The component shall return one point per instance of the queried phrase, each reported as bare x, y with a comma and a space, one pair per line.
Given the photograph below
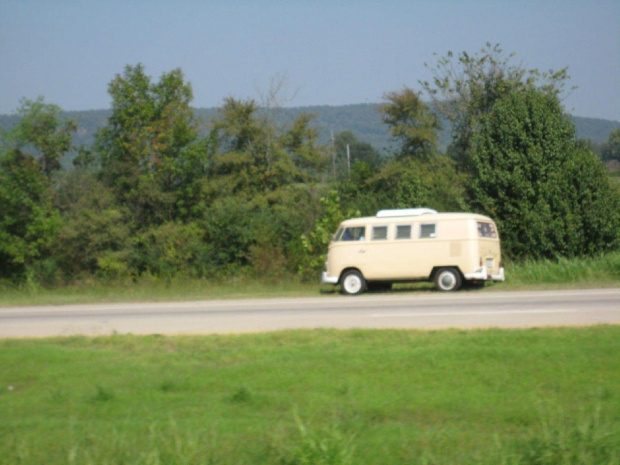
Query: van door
347, 250
377, 253
391, 252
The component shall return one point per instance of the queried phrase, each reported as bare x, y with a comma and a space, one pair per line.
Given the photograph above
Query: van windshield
352, 234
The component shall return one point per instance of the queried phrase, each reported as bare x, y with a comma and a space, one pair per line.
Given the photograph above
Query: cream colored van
416, 244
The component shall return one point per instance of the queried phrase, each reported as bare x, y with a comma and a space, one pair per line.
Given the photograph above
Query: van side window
427, 230
403, 231
353, 234
379, 233
486, 230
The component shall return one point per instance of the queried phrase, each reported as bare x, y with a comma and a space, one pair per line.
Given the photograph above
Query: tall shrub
28, 220
550, 195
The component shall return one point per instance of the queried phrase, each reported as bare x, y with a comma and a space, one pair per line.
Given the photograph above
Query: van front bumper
481, 274
327, 279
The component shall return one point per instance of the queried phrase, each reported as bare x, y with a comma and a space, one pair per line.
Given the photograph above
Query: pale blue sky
330, 52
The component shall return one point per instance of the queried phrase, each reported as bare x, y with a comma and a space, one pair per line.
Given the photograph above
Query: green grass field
537, 396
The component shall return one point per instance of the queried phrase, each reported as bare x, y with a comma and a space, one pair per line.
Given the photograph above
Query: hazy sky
329, 52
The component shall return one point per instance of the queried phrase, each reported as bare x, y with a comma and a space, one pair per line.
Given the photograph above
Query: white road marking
508, 312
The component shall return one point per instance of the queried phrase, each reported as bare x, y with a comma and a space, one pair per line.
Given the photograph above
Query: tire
353, 283
448, 280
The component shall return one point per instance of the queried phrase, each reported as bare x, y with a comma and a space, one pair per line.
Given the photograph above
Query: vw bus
415, 244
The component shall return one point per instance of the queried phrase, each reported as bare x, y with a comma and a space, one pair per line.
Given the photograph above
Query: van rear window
486, 230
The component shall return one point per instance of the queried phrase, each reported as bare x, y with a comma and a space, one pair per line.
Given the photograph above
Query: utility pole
348, 161
333, 153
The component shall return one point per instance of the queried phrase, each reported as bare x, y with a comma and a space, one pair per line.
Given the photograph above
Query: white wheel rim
352, 284
447, 280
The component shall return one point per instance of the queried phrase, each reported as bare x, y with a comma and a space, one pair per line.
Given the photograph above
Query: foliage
300, 141
611, 149
314, 244
550, 195
465, 88
433, 183
230, 230
259, 189
596, 202
249, 155
40, 128
599, 270
169, 250
351, 155
28, 220
412, 124
147, 148
93, 225
363, 120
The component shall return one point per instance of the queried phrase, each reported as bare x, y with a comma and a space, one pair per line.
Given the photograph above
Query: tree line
159, 196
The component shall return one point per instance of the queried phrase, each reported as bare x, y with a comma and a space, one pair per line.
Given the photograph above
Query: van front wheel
353, 283
448, 279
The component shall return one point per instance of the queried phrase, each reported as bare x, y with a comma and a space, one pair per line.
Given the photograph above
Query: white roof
427, 217
404, 212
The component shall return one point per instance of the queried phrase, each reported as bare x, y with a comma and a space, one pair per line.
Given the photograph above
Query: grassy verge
154, 290
603, 271
598, 271
314, 397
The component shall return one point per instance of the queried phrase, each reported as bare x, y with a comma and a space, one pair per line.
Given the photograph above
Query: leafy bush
28, 220
550, 195
172, 249
114, 265
313, 246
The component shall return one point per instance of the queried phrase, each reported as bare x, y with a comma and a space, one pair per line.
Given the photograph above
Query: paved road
407, 310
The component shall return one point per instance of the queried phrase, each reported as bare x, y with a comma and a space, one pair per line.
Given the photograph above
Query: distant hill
363, 120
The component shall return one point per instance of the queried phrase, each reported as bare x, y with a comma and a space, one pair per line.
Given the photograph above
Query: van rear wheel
448, 280
353, 283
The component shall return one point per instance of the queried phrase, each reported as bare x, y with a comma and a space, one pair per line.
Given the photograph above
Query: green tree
42, 128
300, 141
28, 220
549, 193
313, 245
248, 154
419, 176
93, 225
238, 158
465, 88
148, 151
406, 184
355, 158
596, 202
171, 250
611, 148
412, 124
